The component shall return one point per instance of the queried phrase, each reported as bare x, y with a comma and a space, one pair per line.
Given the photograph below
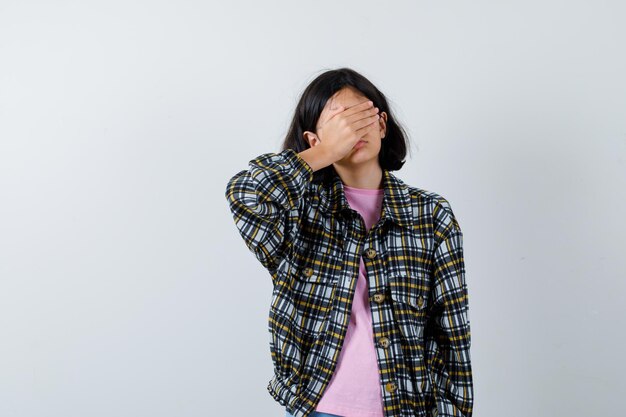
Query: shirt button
308, 271
420, 301
383, 342
370, 253
390, 386
379, 297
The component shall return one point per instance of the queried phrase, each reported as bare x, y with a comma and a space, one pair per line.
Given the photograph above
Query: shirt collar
396, 204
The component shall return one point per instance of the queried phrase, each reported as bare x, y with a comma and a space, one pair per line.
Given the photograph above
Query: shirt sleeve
447, 333
264, 199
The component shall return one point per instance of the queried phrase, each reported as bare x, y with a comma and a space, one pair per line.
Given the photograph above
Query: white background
125, 289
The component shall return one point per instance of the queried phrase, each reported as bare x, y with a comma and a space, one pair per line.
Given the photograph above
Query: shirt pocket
410, 301
307, 288
313, 284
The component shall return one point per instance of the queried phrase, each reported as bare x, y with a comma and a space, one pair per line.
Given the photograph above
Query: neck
368, 176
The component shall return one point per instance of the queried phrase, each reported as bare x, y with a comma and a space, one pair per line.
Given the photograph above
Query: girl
369, 311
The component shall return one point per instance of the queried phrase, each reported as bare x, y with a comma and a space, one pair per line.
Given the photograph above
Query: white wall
122, 277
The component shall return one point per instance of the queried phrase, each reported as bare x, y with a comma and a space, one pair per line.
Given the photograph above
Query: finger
358, 108
364, 125
362, 105
334, 112
363, 115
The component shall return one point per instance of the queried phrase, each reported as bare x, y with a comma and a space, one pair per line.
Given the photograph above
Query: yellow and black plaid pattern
310, 240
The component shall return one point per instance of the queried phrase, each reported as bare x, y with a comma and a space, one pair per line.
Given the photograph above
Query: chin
361, 157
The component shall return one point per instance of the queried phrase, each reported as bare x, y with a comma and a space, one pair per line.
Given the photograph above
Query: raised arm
264, 200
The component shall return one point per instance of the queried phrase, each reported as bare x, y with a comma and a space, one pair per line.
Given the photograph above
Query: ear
311, 138
383, 124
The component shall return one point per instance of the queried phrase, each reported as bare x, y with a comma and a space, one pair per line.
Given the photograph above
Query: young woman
369, 311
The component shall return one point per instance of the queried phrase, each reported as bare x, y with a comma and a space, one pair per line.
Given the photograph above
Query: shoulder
427, 199
437, 208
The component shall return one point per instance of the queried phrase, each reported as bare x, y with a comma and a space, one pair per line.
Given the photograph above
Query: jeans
313, 414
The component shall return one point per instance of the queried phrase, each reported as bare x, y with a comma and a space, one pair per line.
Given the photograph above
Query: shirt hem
349, 412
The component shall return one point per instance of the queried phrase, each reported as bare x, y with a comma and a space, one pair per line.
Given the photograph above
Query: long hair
312, 101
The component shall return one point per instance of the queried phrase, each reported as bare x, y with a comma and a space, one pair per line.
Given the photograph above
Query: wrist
317, 157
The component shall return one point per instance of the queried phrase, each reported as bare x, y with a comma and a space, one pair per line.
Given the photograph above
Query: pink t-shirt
355, 389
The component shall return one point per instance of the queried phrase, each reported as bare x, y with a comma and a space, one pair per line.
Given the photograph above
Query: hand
340, 129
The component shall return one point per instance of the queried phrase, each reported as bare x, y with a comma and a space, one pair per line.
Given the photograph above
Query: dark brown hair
312, 101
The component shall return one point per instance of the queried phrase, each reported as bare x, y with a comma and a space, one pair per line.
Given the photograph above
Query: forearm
317, 157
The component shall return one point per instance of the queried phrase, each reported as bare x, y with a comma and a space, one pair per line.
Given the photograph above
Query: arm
447, 334
262, 199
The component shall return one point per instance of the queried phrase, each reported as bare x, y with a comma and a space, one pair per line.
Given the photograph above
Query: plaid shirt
310, 241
